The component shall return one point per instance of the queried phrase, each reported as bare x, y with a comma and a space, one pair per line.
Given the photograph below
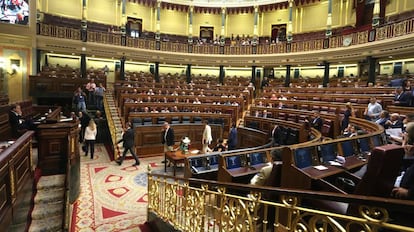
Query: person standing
349, 112
128, 144
207, 138
99, 94
232, 140
79, 100
90, 137
168, 137
90, 87
373, 110
84, 122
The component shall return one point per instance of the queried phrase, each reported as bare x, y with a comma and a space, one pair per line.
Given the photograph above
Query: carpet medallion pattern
113, 197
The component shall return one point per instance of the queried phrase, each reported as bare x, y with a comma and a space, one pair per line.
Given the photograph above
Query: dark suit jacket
15, 125
169, 138
403, 99
232, 140
407, 181
277, 136
128, 138
317, 123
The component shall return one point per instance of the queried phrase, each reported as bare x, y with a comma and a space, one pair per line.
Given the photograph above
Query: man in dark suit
317, 121
168, 137
402, 98
16, 121
232, 140
128, 139
276, 134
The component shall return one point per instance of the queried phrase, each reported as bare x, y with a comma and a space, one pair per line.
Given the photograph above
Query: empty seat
175, 120
197, 119
161, 120
136, 122
281, 116
292, 117
185, 119
292, 136
254, 125
147, 121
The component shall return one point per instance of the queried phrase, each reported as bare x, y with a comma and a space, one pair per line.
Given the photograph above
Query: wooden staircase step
53, 181
41, 211
53, 195
47, 224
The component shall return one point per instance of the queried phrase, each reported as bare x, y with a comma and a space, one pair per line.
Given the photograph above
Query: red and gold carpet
113, 197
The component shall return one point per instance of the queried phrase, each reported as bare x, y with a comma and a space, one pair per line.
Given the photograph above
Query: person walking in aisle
207, 138
128, 144
90, 137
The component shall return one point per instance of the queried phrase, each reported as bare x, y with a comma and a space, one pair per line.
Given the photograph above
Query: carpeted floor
113, 197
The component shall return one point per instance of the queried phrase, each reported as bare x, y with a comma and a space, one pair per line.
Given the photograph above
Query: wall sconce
14, 66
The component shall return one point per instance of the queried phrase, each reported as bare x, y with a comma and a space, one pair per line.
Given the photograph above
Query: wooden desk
245, 171
175, 157
316, 174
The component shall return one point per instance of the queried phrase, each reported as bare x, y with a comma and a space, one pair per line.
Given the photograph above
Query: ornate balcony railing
353, 38
200, 205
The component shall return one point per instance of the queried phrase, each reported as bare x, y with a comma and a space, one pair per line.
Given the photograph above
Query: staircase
48, 211
114, 120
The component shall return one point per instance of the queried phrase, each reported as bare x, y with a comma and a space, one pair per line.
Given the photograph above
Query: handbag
84, 147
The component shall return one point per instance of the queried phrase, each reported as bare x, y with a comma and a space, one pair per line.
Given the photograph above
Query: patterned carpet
113, 197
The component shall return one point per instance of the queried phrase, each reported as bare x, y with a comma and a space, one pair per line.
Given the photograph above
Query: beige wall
206, 20
174, 22
272, 18
16, 85
67, 8
145, 13
107, 12
239, 24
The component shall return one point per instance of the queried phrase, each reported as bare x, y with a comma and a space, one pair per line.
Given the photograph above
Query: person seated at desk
405, 189
317, 121
220, 146
19, 125
263, 175
350, 131
383, 118
394, 121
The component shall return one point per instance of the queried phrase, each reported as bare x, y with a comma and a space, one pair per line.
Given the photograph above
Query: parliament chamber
297, 79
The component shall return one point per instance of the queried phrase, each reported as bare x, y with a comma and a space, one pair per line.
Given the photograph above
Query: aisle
113, 197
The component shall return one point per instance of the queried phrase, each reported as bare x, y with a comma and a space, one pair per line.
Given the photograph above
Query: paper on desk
334, 163
394, 132
320, 167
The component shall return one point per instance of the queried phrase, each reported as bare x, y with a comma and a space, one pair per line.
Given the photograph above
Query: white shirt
90, 134
207, 134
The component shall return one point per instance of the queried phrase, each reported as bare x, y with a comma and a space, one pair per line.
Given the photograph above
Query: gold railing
112, 128
200, 205
358, 37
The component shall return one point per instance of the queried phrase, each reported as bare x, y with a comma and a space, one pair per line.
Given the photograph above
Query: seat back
382, 170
